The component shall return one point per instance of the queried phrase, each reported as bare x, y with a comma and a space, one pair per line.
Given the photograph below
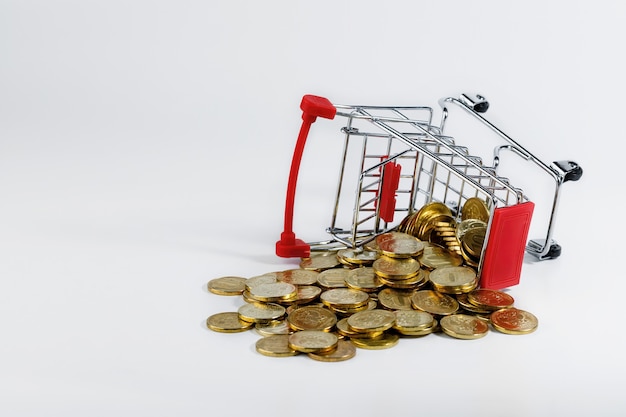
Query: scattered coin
490, 299
514, 321
312, 318
345, 350
308, 341
227, 285
463, 326
275, 345
256, 312
228, 322
371, 297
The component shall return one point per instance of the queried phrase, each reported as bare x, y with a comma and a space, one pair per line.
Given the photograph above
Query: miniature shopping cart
405, 161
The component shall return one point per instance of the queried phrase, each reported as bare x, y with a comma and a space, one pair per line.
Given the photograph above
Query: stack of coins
396, 287
435, 223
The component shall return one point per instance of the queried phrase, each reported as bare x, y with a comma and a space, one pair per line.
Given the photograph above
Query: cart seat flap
504, 254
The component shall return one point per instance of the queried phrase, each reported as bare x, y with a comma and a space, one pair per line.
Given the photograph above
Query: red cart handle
312, 108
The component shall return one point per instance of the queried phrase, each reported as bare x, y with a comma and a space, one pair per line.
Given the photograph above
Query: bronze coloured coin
227, 285
228, 322
490, 299
514, 321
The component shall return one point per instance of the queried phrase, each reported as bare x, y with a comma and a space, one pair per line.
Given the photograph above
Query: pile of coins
435, 223
397, 286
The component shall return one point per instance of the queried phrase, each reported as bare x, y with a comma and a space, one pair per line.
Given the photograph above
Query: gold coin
419, 332
320, 262
307, 293
372, 320
345, 350
275, 345
437, 257
371, 304
344, 329
260, 279
227, 285
425, 215
466, 305
344, 298
399, 245
364, 279
463, 326
273, 292
412, 283
256, 312
357, 256
273, 327
468, 224
386, 341
228, 322
392, 268
412, 320
473, 241
308, 341
298, 276
514, 321
490, 299
393, 299
434, 302
454, 279
475, 208
312, 318
333, 278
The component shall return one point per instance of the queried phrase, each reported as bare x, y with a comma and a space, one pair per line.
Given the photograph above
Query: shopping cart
405, 161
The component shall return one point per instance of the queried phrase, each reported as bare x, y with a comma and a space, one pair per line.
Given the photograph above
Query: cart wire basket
406, 162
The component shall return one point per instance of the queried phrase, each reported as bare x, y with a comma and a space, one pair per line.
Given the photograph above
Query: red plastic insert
391, 181
502, 263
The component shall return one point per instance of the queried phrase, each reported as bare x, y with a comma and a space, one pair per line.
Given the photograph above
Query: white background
145, 148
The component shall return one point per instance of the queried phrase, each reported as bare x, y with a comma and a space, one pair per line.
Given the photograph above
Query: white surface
144, 150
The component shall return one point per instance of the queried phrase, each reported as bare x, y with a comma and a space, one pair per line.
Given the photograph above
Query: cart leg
312, 107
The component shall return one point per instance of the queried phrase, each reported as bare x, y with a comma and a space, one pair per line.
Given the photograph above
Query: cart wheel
481, 107
554, 252
571, 169
476, 102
